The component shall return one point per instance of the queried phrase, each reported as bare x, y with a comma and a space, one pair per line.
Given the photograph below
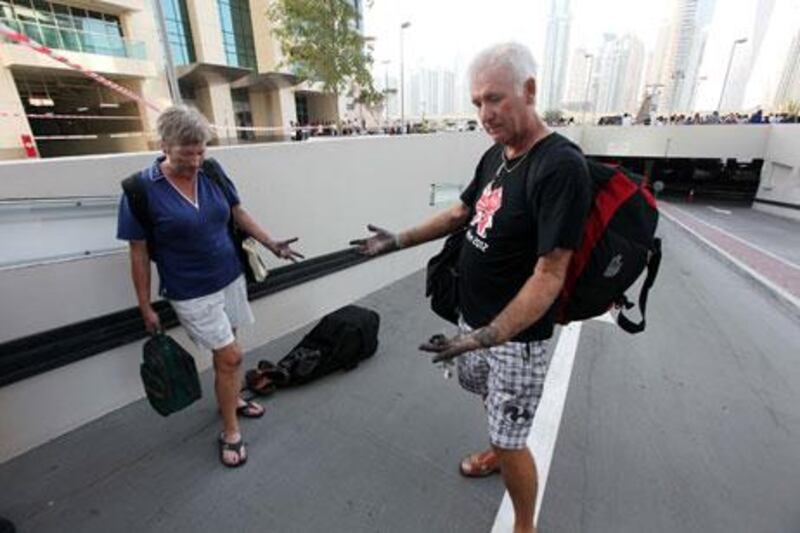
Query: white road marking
606, 318
780, 291
732, 236
721, 211
542, 440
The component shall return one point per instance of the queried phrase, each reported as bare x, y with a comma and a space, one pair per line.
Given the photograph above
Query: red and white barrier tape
23, 39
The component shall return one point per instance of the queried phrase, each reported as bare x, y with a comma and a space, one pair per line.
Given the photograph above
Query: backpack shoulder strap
530, 177
134, 188
652, 271
213, 170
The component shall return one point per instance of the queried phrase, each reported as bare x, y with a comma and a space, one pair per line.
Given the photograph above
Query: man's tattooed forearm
487, 336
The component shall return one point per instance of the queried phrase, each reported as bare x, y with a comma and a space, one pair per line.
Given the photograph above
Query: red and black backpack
618, 244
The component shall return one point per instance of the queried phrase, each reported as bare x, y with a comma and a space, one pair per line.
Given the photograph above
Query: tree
553, 117
792, 109
320, 43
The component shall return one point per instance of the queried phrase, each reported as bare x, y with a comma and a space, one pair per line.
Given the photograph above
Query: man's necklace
512, 168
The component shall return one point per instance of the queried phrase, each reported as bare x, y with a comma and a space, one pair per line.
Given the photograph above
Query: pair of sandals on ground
474, 465
264, 380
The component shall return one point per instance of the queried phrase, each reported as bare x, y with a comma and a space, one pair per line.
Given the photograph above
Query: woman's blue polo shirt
192, 246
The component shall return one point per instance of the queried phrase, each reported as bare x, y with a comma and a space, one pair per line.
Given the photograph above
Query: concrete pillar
215, 102
288, 109
268, 51
16, 125
206, 31
140, 25
259, 108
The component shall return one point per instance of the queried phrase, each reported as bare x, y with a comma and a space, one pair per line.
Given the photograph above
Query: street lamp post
403, 26
653, 89
590, 59
700, 80
385, 64
676, 75
169, 66
728, 70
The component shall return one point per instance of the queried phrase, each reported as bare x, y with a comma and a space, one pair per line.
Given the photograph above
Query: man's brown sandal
480, 464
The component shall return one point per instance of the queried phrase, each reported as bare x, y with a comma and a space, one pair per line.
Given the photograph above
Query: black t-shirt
515, 217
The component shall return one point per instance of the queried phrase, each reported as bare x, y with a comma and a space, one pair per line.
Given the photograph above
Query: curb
779, 294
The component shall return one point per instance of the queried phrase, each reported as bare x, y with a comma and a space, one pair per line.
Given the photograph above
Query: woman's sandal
235, 447
480, 464
250, 409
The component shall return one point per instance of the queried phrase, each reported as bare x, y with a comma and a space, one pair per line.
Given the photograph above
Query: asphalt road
691, 426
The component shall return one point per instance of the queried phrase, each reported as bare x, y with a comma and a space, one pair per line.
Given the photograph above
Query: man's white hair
513, 56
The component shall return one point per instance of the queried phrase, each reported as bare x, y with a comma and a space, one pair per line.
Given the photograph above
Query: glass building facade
69, 28
237, 33
179, 33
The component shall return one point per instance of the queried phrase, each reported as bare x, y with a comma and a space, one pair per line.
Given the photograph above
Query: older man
524, 211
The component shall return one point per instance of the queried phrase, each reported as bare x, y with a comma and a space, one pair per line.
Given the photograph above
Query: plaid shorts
510, 378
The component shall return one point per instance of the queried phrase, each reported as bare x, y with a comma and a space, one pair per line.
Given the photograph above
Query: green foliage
792, 108
553, 116
320, 43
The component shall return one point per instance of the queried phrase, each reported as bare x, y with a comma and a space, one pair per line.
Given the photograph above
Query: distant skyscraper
631, 71
745, 57
789, 85
554, 72
431, 93
578, 79
660, 55
448, 95
415, 92
618, 79
431, 103
687, 46
605, 83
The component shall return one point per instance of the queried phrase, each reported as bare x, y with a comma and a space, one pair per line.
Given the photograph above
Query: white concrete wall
744, 142
323, 191
780, 176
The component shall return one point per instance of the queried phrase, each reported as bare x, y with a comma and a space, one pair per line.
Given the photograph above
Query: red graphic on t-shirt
487, 206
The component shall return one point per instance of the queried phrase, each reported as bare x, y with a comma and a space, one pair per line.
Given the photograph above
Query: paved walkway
761, 245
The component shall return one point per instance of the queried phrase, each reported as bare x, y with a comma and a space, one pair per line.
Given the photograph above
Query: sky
447, 33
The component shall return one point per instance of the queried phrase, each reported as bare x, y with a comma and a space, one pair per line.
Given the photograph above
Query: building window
69, 28
237, 33
243, 114
179, 33
301, 107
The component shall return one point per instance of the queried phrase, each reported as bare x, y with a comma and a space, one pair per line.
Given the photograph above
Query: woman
198, 265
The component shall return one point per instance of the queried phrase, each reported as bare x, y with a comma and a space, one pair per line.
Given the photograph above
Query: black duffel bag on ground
169, 375
340, 341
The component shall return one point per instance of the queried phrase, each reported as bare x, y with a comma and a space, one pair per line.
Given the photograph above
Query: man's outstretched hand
445, 349
382, 242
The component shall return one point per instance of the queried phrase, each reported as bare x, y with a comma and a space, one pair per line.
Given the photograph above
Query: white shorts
210, 320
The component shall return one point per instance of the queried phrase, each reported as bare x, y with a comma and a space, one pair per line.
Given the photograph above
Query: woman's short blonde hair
181, 125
